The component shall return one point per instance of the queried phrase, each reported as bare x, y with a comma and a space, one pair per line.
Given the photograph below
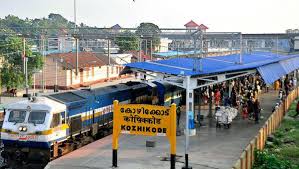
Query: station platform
211, 148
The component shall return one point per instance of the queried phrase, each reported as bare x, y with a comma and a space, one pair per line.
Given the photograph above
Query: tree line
13, 29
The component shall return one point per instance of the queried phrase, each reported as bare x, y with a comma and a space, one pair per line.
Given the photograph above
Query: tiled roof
105, 59
191, 24
117, 26
203, 27
86, 59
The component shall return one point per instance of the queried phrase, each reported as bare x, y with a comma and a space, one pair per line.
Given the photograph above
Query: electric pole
77, 56
24, 54
140, 43
26, 75
25, 62
108, 52
145, 46
75, 13
241, 49
76, 38
151, 49
44, 60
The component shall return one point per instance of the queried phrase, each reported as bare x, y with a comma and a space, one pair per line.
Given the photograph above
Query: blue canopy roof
218, 64
271, 72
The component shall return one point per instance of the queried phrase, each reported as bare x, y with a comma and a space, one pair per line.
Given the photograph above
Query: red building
193, 25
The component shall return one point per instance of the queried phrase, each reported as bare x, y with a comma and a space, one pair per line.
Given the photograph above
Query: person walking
257, 110
234, 98
217, 97
250, 109
245, 111
287, 85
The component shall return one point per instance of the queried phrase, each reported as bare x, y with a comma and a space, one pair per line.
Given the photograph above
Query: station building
93, 68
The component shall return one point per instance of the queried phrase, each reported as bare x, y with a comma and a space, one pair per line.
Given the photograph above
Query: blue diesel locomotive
41, 129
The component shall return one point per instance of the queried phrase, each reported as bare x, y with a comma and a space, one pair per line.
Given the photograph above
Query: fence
247, 157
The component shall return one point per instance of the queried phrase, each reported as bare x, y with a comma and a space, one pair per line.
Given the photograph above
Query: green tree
12, 75
127, 41
32, 27
149, 31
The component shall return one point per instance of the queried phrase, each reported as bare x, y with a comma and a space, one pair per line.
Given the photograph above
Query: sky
247, 16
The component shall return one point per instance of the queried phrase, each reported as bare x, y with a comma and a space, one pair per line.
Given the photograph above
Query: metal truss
195, 81
208, 80
162, 77
229, 40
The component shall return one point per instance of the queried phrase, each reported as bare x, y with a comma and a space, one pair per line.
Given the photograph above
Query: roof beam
220, 78
173, 80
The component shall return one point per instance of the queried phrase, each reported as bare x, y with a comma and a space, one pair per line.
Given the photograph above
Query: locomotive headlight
24, 129
21, 128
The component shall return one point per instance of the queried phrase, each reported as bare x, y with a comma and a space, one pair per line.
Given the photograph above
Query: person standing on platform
217, 97
287, 85
234, 98
245, 111
277, 85
230, 88
250, 106
295, 82
257, 110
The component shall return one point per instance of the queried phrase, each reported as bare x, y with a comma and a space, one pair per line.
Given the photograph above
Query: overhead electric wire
92, 28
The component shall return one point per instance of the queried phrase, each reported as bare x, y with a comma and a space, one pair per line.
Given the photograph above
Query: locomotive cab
29, 129
26, 123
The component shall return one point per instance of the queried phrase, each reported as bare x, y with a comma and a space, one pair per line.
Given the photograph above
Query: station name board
143, 119
147, 120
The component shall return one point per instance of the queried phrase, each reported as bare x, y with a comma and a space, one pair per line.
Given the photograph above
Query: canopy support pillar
189, 129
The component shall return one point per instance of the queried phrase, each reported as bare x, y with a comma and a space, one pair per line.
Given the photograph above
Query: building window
92, 72
74, 74
56, 120
112, 69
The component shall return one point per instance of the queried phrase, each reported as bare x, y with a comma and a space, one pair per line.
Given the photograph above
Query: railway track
3, 164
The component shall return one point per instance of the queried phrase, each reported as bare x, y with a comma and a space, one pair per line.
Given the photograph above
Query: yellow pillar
172, 135
115, 133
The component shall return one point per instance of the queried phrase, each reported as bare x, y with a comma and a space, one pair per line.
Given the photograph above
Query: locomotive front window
36, 117
17, 116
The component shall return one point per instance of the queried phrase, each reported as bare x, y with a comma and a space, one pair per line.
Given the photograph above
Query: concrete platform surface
211, 148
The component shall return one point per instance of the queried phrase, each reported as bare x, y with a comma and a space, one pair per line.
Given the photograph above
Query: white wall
72, 79
164, 43
94, 74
